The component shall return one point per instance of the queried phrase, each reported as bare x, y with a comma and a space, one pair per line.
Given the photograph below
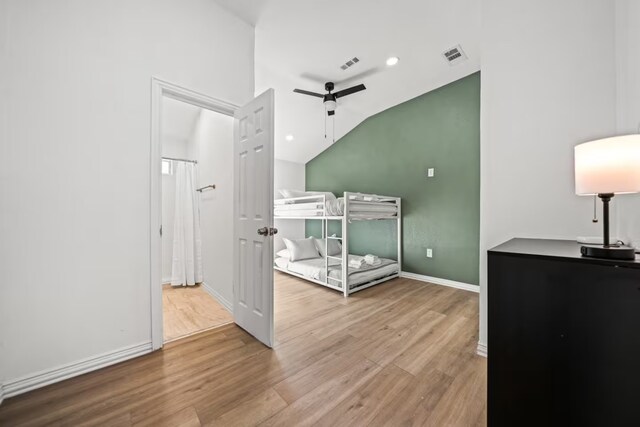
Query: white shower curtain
186, 267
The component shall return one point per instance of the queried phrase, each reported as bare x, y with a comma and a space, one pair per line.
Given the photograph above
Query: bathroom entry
233, 147
197, 209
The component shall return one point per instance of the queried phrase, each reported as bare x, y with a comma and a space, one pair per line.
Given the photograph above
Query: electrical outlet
431, 172
429, 253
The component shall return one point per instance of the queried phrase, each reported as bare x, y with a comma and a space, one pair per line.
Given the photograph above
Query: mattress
335, 207
315, 269
298, 206
299, 212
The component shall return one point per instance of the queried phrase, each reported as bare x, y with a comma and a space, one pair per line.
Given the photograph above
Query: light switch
429, 253
431, 172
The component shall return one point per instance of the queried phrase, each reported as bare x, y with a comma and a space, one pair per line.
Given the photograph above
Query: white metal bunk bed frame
346, 219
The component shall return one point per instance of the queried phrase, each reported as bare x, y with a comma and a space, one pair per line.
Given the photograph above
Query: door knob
264, 231
273, 231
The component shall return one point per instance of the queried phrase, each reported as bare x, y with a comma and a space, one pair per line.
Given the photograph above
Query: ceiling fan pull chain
325, 126
334, 129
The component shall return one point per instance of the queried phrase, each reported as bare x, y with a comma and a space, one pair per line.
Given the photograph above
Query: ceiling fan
329, 99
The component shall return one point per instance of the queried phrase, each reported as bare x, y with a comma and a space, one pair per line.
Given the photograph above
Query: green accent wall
389, 154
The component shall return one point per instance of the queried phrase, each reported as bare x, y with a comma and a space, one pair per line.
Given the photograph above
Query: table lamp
607, 167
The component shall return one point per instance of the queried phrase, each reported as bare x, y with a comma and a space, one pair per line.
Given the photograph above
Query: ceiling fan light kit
330, 107
329, 98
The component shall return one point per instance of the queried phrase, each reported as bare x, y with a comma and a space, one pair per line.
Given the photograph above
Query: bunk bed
329, 268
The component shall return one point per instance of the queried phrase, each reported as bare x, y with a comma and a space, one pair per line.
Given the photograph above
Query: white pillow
329, 195
282, 263
333, 247
283, 254
301, 249
288, 194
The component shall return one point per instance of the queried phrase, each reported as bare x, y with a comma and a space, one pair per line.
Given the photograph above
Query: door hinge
160, 231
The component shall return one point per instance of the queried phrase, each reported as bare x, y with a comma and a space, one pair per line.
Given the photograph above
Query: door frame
160, 89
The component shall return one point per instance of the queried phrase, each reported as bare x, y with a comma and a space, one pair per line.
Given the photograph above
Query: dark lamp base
609, 252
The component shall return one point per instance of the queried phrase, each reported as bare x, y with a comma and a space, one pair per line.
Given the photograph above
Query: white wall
548, 83
628, 103
213, 142
289, 176
75, 150
4, 135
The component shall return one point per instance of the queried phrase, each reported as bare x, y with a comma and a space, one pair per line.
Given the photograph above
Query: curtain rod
180, 160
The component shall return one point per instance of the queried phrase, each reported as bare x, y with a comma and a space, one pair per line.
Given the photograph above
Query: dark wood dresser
564, 337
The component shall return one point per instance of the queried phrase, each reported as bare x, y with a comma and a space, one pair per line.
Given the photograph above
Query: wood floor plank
296, 386
401, 353
187, 417
190, 309
361, 407
112, 420
386, 348
414, 404
310, 408
464, 401
422, 351
252, 411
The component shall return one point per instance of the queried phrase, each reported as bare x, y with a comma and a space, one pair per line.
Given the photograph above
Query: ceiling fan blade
306, 92
349, 91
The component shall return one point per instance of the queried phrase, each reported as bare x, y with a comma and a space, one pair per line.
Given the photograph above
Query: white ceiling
247, 10
301, 44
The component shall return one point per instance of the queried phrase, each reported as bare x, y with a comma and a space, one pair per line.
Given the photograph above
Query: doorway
244, 178
197, 206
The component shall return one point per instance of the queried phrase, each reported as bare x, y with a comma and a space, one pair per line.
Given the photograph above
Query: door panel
253, 207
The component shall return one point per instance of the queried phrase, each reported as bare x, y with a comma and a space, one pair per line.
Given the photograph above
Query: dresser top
568, 250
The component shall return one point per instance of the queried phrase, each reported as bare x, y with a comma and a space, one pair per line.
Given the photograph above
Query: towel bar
212, 186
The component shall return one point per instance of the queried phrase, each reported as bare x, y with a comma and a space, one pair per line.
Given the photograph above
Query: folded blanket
371, 259
367, 198
356, 262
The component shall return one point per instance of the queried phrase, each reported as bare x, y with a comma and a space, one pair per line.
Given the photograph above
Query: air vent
350, 63
454, 55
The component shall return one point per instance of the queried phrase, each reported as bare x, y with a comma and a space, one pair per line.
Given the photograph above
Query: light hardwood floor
189, 310
400, 353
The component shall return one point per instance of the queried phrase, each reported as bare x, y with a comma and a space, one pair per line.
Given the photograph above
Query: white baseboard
443, 282
166, 281
482, 350
50, 376
225, 303
1, 393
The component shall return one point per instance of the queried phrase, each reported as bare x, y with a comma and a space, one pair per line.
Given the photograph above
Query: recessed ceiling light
289, 137
392, 61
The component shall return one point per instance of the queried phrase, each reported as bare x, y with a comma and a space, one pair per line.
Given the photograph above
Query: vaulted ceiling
303, 43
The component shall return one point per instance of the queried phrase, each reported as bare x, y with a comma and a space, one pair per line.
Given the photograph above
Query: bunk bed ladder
325, 234
327, 257
345, 247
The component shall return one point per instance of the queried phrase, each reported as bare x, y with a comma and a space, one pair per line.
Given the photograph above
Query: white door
253, 218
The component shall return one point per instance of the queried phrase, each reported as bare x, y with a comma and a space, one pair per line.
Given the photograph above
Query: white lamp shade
330, 105
610, 165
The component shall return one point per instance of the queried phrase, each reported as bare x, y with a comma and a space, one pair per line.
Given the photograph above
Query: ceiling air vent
454, 55
350, 63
